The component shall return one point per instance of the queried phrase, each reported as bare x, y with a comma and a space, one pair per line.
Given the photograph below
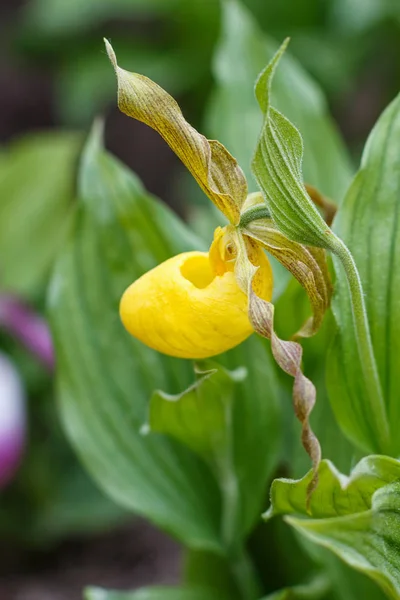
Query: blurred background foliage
55, 79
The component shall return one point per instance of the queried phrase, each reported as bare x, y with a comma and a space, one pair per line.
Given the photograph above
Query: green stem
364, 343
245, 576
253, 214
241, 567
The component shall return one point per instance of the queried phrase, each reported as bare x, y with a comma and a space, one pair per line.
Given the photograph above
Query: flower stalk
254, 214
364, 343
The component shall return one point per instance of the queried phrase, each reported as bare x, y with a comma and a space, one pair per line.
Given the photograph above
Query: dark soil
131, 557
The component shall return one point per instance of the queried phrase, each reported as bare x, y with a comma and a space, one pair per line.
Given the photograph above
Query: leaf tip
264, 81
111, 53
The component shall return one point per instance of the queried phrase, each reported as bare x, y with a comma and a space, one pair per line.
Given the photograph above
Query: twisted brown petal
307, 264
288, 355
210, 163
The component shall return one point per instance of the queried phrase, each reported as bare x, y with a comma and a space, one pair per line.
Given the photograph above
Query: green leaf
104, 376
277, 167
153, 593
356, 517
234, 117
256, 424
368, 541
200, 417
336, 494
368, 222
314, 589
205, 418
36, 192
205, 569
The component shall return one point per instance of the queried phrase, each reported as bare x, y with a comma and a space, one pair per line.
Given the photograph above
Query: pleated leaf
368, 222
104, 376
277, 167
355, 517
201, 418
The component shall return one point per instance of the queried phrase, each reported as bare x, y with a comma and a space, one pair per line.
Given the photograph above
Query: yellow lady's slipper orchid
191, 306
196, 304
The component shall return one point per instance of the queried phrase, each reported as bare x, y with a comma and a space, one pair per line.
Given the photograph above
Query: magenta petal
28, 327
12, 420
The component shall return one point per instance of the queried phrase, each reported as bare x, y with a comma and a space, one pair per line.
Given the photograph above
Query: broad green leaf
210, 417
314, 589
234, 116
356, 517
153, 593
104, 376
368, 222
336, 494
345, 581
201, 416
36, 191
367, 541
256, 424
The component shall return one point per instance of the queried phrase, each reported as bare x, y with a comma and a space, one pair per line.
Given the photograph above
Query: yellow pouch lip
167, 312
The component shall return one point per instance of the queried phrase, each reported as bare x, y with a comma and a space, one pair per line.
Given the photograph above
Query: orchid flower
197, 304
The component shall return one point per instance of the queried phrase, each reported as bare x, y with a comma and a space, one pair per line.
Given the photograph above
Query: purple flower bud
12, 420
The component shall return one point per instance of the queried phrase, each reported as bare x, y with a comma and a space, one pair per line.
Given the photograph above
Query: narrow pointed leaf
215, 170
277, 167
242, 53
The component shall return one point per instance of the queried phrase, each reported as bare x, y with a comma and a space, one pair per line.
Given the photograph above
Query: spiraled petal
210, 163
307, 264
